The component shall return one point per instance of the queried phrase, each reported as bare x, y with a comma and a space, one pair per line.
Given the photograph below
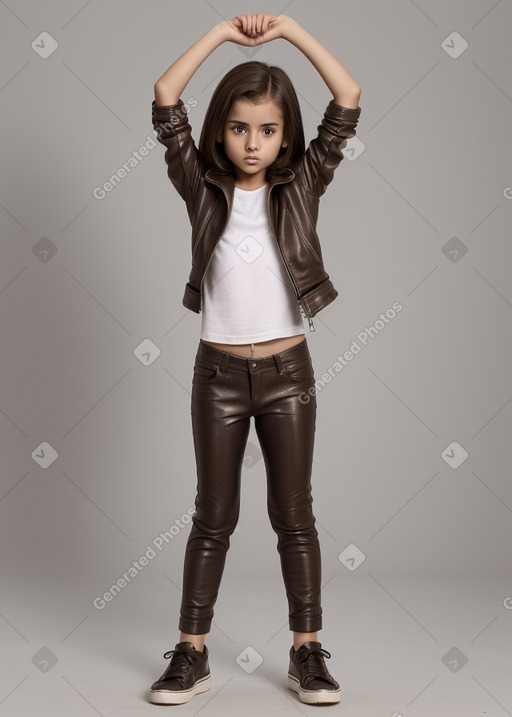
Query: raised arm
170, 85
345, 89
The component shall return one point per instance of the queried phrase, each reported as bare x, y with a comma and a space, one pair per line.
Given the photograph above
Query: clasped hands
250, 30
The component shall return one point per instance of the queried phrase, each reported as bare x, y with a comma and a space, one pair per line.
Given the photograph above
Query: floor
400, 647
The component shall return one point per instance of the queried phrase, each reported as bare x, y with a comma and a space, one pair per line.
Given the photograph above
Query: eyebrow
246, 124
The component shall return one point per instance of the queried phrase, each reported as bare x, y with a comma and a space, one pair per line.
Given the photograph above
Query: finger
260, 19
253, 25
267, 19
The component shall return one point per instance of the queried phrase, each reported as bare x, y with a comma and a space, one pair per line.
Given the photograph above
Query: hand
251, 30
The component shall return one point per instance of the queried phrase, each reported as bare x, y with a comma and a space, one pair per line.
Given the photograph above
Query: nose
252, 143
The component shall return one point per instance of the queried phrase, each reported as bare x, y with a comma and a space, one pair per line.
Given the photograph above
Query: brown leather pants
226, 391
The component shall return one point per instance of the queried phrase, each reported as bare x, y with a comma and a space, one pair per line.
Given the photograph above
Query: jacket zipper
310, 320
304, 239
210, 257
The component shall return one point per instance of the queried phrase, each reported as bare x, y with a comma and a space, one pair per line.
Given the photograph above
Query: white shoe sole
167, 697
313, 697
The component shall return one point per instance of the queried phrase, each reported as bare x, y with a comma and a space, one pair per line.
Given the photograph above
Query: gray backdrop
411, 481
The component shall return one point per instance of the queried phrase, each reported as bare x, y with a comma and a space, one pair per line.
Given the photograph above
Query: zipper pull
310, 320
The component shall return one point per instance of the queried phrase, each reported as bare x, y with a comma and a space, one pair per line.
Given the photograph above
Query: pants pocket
205, 372
300, 370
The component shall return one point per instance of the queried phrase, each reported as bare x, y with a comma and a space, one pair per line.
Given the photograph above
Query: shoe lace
179, 665
316, 666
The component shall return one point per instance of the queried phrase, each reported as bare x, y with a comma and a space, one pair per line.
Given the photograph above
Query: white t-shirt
248, 295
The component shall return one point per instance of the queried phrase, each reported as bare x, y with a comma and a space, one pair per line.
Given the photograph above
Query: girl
252, 192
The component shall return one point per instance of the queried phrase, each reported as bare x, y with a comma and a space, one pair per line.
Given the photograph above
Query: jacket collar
227, 179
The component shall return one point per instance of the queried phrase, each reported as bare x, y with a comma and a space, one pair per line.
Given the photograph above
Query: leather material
227, 390
293, 201
308, 666
186, 668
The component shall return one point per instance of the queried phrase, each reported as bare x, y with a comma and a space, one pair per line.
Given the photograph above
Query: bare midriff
259, 349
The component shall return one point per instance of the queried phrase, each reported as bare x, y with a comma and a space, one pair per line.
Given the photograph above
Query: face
252, 130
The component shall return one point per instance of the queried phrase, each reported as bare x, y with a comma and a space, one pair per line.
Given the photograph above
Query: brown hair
258, 82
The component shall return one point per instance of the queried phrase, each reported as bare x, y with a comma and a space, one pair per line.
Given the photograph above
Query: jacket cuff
344, 119
167, 113
348, 114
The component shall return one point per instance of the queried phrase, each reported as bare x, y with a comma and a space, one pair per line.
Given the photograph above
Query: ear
218, 138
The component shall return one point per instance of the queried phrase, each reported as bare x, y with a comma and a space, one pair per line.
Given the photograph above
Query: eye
265, 129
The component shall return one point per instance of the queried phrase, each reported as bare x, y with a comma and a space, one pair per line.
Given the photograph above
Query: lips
251, 160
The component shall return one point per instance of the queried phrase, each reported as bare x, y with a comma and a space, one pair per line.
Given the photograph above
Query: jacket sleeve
182, 157
323, 155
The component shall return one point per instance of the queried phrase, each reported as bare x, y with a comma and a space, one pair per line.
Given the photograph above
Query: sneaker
187, 674
308, 675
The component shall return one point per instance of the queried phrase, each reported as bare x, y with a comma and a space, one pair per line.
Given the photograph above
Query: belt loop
223, 367
278, 363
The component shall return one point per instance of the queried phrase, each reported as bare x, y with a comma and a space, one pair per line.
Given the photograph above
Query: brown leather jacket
293, 199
